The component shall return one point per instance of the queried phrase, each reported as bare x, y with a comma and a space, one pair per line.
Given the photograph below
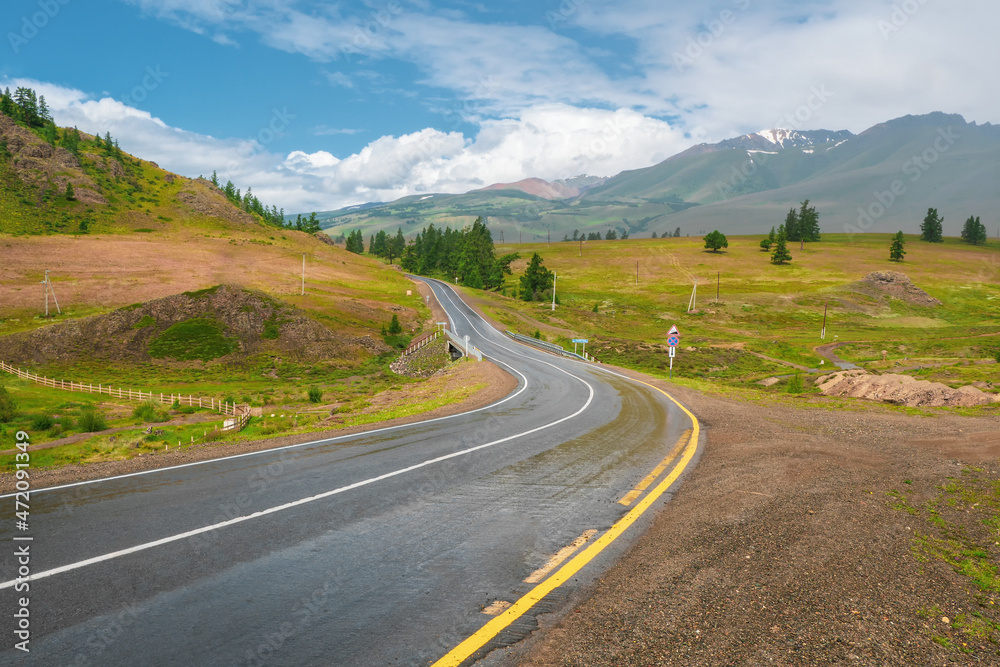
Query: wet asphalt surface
410, 538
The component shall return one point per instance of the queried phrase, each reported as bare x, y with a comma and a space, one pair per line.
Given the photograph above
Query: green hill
744, 186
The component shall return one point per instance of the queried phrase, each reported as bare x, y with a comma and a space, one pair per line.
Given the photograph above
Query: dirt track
781, 548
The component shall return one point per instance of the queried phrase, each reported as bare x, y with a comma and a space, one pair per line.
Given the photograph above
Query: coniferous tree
70, 194
611, 235
766, 243
932, 228
896, 251
781, 254
792, 231
653, 236
808, 223
536, 279
974, 231
677, 233
397, 245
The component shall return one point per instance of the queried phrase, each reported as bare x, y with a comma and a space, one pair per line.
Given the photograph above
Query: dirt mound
253, 321
902, 390
899, 286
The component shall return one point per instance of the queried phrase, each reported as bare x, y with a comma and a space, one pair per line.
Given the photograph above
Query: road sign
674, 332
673, 352
580, 340
673, 342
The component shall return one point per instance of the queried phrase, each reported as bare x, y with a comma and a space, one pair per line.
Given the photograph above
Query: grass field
776, 311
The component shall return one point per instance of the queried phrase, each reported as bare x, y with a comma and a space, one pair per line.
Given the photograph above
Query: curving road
381, 548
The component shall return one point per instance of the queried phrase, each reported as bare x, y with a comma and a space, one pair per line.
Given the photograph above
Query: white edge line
286, 447
272, 510
295, 503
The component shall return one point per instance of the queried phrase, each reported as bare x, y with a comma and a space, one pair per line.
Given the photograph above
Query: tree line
932, 229
467, 255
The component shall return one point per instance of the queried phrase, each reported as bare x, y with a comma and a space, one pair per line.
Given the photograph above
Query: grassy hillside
936, 160
772, 310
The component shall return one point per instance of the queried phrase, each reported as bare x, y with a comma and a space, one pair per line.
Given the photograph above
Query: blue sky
320, 105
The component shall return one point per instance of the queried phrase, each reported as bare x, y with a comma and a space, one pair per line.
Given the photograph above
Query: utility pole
48, 288
554, 276
636, 273
822, 334
501, 237
718, 286
303, 274
581, 246
548, 236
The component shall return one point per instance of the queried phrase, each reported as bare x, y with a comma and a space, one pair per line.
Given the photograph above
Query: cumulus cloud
549, 141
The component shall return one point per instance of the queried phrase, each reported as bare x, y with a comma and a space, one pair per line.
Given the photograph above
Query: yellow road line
480, 638
630, 497
562, 555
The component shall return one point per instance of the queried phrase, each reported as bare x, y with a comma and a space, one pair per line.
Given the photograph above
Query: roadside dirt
498, 383
781, 548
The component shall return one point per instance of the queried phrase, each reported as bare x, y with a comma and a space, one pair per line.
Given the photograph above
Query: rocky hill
220, 323
61, 180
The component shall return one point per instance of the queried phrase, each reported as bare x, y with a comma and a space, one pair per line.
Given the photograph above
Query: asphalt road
375, 549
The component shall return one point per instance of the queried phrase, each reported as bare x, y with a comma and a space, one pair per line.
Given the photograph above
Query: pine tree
792, 230
394, 326
781, 254
397, 245
677, 233
808, 220
611, 235
974, 231
70, 194
536, 279
765, 244
932, 228
896, 251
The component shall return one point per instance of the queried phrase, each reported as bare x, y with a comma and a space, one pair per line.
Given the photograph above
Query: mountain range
881, 180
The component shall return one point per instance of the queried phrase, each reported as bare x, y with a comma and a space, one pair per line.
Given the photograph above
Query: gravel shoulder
781, 547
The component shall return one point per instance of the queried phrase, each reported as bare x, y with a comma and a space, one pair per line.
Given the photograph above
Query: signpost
581, 340
673, 340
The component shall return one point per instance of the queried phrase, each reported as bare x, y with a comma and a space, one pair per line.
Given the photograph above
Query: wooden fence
241, 412
423, 342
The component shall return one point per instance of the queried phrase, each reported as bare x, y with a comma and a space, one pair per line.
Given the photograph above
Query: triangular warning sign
673, 330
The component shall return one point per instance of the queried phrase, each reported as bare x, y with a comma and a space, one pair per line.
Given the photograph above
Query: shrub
42, 422
91, 420
537, 335
597, 307
149, 412
997, 357
67, 423
8, 408
795, 384
315, 395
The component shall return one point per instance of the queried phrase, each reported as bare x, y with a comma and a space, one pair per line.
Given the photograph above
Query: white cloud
548, 141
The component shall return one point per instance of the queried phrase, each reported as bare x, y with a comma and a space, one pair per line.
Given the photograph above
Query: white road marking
303, 501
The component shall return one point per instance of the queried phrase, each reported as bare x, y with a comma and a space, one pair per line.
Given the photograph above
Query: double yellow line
463, 651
